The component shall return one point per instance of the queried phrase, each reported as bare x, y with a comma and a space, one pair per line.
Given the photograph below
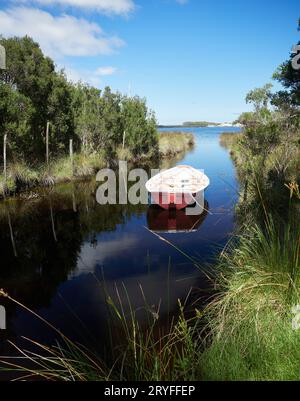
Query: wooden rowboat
177, 187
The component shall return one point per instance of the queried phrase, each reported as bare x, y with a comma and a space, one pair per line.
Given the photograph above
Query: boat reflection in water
174, 221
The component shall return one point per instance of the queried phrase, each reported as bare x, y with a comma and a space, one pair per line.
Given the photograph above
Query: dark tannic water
63, 254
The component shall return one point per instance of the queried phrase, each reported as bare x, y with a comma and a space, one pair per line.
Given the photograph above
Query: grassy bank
250, 323
21, 176
172, 143
229, 139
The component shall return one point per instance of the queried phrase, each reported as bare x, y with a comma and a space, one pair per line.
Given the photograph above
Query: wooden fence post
124, 135
4, 158
71, 155
2, 58
47, 143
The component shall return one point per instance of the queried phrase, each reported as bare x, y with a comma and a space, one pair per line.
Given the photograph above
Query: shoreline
22, 178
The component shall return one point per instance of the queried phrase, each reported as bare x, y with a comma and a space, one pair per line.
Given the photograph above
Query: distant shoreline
215, 125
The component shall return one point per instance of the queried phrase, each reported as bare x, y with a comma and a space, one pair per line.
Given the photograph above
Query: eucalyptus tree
260, 97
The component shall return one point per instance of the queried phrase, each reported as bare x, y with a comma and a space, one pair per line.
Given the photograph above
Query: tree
32, 74
260, 97
60, 113
246, 118
112, 116
88, 114
33, 93
15, 113
140, 126
289, 77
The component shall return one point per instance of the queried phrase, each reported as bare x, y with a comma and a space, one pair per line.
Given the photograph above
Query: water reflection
174, 221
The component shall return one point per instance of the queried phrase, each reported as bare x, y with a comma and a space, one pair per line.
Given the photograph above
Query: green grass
22, 173
249, 328
86, 165
61, 170
250, 322
229, 139
20, 176
6, 187
172, 143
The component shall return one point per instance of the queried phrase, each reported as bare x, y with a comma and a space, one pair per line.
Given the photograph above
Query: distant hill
188, 124
199, 124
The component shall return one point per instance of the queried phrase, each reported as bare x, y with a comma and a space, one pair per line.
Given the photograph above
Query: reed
173, 143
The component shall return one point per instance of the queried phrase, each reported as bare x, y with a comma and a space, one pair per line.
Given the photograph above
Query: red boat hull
176, 201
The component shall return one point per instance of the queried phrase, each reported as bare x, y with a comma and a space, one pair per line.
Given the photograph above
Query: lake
63, 255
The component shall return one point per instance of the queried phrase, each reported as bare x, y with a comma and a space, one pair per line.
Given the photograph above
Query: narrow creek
63, 254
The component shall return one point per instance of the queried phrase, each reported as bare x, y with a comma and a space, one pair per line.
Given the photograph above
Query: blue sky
191, 59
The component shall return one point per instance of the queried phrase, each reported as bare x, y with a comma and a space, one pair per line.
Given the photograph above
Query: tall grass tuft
88, 164
61, 169
7, 186
124, 154
22, 175
251, 336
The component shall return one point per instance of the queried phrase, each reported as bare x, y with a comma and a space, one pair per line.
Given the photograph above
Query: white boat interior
179, 179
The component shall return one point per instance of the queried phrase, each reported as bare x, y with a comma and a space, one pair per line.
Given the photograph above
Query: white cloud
119, 7
105, 71
92, 77
58, 36
76, 75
